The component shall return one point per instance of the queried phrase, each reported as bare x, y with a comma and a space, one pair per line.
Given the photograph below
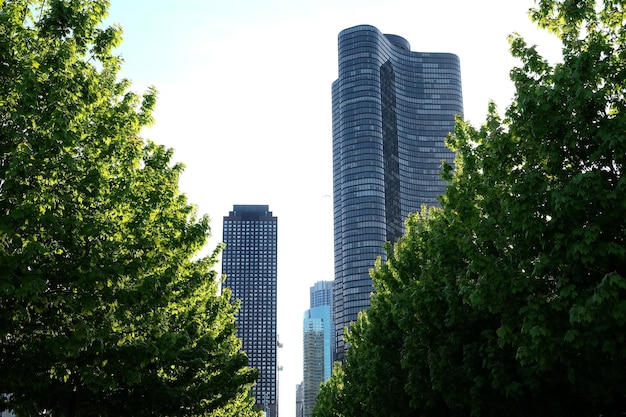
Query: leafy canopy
510, 299
106, 306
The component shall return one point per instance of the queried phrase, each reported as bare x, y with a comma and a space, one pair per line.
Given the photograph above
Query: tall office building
249, 263
299, 410
392, 110
321, 294
318, 337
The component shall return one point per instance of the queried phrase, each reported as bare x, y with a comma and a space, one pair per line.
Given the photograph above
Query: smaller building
299, 411
318, 344
321, 294
249, 264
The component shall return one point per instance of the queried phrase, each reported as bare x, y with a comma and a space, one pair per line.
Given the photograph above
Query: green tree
331, 399
375, 355
106, 306
510, 299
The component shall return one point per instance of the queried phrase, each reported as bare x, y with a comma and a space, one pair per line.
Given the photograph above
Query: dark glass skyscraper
249, 263
392, 110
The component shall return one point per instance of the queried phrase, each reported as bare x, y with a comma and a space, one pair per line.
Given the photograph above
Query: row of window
237, 227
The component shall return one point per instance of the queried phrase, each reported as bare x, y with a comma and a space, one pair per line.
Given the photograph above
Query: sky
244, 99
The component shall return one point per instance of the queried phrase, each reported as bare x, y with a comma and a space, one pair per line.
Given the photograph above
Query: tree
510, 299
106, 306
331, 399
375, 355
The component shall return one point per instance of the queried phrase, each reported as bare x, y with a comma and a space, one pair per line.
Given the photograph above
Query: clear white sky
245, 101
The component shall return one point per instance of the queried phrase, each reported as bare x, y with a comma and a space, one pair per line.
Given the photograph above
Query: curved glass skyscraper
392, 110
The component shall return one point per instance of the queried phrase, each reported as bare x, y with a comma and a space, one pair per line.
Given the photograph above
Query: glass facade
318, 346
321, 294
317, 354
392, 110
249, 264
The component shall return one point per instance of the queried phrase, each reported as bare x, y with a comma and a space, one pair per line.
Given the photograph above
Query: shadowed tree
510, 299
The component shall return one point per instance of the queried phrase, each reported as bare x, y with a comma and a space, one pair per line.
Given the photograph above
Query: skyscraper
392, 110
321, 294
318, 337
299, 409
249, 263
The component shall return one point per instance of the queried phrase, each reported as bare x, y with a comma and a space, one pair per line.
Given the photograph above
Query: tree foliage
331, 398
510, 299
106, 307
